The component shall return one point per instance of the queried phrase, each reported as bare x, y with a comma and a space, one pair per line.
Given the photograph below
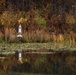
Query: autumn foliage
43, 21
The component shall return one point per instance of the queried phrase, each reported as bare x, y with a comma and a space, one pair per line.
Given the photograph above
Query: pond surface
56, 63
38, 59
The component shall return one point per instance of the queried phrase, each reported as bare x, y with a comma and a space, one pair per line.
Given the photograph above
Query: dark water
56, 63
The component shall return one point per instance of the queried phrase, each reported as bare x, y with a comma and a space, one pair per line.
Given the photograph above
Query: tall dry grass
36, 36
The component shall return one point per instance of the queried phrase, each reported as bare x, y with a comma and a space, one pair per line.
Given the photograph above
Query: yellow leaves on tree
2, 2
8, 19
70, 19
22, 20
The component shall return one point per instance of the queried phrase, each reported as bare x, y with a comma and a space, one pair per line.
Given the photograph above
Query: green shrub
40, 21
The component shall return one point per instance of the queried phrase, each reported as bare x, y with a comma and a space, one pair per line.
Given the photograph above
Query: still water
34, 63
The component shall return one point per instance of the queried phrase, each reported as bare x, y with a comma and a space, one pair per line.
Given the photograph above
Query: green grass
36, 46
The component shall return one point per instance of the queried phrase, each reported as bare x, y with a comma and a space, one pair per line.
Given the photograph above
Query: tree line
45, 17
